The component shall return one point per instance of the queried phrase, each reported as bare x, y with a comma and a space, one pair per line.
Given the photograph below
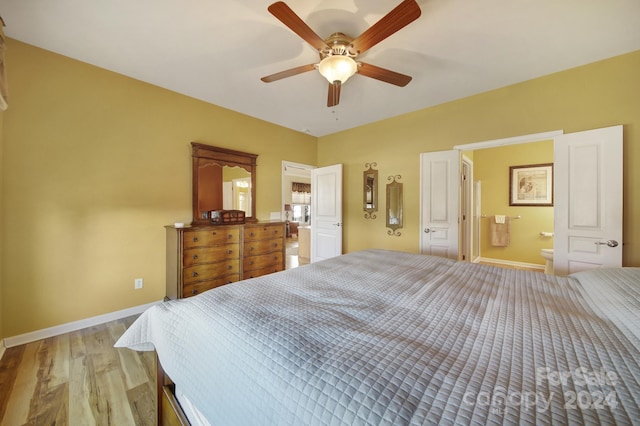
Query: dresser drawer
253, 233
253, 248
196, 256
262, 261
210, 271
199, 287
208, 237
262, 271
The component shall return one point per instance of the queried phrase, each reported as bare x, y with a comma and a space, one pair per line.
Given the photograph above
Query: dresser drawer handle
229, 251
230, 236
251, 234
251, 262
195, 239
214, 233
194, 274
194, 257
251, 248
275, 244
230, 267
194, 291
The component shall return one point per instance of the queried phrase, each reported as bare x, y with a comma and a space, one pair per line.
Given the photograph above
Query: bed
381, 337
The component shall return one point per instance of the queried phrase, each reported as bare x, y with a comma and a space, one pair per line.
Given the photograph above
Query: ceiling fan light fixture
337, 68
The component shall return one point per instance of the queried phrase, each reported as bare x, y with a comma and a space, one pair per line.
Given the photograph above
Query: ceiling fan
338, 52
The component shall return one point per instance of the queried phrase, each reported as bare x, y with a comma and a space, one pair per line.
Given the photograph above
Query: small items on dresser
227, 217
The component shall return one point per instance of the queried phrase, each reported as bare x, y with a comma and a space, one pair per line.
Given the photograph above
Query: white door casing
439, 203
326, 212
588, 200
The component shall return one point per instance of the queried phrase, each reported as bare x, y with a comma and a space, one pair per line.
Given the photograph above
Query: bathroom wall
491, 167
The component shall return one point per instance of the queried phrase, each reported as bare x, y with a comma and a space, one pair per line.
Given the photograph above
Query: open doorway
296, 212
528, 228
441, 195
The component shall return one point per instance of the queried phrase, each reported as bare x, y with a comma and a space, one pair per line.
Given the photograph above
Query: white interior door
439, 204
588, 200
326, 212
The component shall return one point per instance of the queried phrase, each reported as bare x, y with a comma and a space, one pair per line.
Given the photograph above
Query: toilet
548, 257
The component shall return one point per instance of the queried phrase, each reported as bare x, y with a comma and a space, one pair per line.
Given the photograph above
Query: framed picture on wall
531, 185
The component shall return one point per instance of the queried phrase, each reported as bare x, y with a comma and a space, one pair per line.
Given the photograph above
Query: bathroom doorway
529, 228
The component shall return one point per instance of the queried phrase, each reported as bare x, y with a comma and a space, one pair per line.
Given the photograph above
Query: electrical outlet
138, 283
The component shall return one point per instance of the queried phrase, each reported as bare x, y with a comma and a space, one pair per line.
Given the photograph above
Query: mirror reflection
223, 188
394, 205
370, 190
223, 179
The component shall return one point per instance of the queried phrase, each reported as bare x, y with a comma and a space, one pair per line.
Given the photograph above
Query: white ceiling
217, 51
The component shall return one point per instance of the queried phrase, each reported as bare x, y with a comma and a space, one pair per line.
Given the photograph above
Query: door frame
514, 140
466, 209
289, 168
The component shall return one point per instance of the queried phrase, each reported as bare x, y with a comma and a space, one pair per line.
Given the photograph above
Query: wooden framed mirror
394, 205
370, 191
215, 172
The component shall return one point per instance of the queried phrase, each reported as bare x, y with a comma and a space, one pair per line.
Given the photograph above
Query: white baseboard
509, 263
33, 336
2, 349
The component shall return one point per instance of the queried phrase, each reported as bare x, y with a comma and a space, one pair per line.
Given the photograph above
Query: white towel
500, 218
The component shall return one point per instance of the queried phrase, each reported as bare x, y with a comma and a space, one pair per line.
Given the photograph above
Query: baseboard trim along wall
525, 265
22, 339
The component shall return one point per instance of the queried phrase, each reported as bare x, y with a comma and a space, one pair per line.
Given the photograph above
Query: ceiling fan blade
383, 74
334, 94
405, 13
288, 73
288, 17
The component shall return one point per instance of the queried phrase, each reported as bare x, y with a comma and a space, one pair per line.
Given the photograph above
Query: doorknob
427, 230
609, 243
338, 224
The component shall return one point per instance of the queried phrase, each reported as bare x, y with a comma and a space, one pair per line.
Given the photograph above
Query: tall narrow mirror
223, 179
394, 205
370, 190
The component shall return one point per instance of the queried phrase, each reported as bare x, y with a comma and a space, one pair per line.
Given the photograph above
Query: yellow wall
597, 95
491, 167
95, 164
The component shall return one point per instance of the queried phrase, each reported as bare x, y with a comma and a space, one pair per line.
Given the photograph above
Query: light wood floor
78, 378
293, 260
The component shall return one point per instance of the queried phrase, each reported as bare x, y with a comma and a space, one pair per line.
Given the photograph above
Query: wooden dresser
200, 258
264, 249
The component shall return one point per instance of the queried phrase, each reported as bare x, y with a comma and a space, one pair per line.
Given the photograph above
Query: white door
588, 200
439, 191
326, 212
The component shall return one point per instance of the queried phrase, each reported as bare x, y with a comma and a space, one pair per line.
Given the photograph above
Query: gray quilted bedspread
388, 338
